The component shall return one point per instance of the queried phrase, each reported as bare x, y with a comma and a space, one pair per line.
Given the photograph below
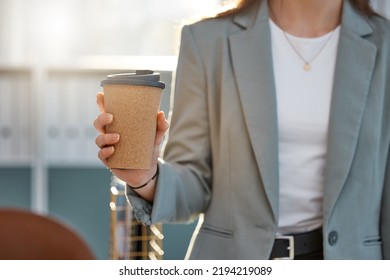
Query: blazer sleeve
184, 185
385, 215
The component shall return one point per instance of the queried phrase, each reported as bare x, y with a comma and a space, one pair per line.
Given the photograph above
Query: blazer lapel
356, 59
252, 63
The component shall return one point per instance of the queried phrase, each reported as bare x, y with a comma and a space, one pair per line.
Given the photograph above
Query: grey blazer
221, 159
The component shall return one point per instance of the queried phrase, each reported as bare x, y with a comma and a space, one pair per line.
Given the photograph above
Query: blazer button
332, 238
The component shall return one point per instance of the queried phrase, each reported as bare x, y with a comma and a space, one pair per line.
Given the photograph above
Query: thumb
162, 127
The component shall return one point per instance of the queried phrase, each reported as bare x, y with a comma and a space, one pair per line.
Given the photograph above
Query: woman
280, 134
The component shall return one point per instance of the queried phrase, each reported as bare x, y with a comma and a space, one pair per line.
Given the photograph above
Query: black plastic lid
140, 77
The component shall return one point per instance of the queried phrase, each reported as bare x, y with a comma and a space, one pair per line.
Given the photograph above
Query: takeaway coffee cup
134, 101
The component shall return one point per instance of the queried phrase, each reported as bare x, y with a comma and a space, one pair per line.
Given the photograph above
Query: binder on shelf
21, 89
91, 85
7, 132
53, 127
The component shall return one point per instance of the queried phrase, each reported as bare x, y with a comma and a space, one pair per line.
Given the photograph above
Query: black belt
289, 246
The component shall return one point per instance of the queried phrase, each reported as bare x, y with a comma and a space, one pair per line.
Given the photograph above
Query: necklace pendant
307, 67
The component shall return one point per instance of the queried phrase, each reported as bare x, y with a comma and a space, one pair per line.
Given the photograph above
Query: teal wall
15, 188
176, 240
81, 197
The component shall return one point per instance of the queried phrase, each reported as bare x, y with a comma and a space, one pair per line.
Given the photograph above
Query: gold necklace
306, 63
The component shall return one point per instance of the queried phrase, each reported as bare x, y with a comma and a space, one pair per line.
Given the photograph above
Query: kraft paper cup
134, 100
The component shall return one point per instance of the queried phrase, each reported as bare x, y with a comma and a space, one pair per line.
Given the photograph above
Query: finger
105, 153
100, 101
102, 120
104, 140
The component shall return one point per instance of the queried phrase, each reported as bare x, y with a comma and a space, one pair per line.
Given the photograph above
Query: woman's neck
306, 18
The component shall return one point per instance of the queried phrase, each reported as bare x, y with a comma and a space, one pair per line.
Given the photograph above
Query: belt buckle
290, 247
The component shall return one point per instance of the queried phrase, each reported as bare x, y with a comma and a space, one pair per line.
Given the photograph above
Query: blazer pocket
372, 241
217, 231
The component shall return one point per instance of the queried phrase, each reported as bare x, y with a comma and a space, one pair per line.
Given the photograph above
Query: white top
303, 104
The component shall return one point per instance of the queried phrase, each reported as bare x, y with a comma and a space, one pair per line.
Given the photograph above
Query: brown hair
363, 6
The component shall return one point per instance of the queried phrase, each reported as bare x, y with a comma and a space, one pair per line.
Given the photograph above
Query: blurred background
53, 55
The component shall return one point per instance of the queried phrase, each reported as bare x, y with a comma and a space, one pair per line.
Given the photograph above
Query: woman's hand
105, 142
